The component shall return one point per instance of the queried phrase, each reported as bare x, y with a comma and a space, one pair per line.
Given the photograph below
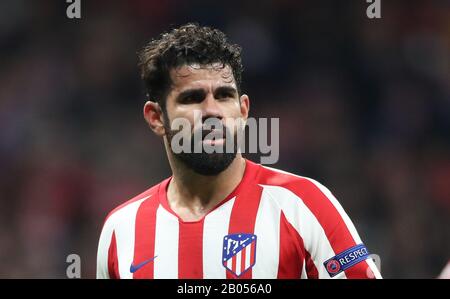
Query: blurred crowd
364, 108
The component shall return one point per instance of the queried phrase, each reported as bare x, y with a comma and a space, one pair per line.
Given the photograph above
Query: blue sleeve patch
346, 259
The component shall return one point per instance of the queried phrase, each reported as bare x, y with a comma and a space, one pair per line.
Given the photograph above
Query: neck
192, 195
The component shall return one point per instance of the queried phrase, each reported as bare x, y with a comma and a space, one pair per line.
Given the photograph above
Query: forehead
201, 76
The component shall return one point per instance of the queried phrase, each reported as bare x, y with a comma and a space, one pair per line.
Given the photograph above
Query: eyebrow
194, 91
229, 89
190, 92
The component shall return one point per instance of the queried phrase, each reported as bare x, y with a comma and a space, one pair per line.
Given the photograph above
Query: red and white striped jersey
273, 225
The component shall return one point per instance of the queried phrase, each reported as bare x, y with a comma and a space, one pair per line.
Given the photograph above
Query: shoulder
127, 210
273, 177
298, 192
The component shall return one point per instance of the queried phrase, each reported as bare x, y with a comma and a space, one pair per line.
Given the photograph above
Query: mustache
204, 132
212, 133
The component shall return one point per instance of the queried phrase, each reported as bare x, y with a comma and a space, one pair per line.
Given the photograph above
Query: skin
213, 91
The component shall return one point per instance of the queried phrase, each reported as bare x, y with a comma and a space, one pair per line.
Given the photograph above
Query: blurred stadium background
364, 107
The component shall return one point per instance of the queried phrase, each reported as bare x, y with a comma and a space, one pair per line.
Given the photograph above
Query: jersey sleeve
106, 253
332, 247
340, 252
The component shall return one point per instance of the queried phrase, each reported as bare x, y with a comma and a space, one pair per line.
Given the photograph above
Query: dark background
364, 108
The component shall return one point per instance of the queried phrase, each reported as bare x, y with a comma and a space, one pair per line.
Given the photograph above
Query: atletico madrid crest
239, 253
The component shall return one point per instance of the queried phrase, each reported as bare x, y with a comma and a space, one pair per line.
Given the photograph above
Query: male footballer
220, 215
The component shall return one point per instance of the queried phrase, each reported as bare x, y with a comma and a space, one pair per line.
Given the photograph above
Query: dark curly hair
187, 44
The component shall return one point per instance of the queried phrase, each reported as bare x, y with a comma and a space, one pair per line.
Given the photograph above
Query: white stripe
347, 221
267, 231
306, 225
374, 268
102, 252
125, 220
166, 244
304, 275
248, 250
215, 228
230, 263
238, 263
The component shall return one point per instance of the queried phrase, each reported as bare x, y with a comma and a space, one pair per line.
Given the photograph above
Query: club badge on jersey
239, 253
346, 259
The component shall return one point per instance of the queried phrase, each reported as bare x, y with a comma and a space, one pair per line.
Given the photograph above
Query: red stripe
323, 209
144, 244
252, 253
233, 263
190, 252
113, 265
311, 269
243, 258
243, 216
291, 251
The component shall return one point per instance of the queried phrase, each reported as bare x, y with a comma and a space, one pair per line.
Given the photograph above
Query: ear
245, 106
154, 117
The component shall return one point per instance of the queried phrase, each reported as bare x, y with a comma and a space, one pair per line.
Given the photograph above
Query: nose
211, 108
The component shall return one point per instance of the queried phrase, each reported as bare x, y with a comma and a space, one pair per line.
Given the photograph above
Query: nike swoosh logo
134, 268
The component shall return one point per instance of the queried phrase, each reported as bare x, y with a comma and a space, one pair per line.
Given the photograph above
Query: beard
203, 163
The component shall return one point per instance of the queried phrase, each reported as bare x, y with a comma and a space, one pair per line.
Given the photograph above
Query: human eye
225, 94
192, 97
